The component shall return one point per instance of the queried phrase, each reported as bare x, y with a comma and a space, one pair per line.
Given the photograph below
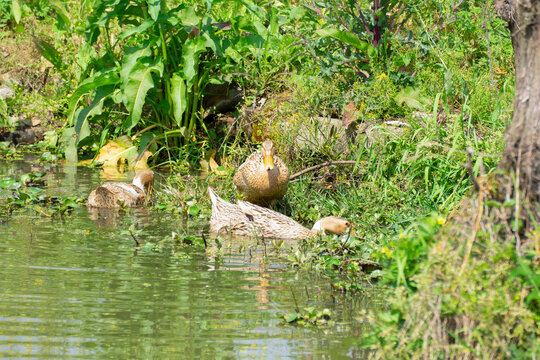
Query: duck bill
268, 162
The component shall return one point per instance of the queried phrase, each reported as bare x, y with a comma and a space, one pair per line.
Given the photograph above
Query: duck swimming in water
110, 195
263, 177
249, 219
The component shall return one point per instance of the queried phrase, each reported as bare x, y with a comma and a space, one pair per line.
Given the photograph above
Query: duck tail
213, 196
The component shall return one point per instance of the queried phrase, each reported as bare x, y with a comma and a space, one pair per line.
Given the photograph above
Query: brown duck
263, 177
252, 220
111, 195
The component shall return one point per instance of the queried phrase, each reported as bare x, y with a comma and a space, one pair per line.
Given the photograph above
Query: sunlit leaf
81, 125
16, 10
153, 8
190, 57
193, 210
49, 52
105, 78
60, 9
146, 24
291, 317
412, 98
139, 82
121, 151
178, 96
346, 37
6, 183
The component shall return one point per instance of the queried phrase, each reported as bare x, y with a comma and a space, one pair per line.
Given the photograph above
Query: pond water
76, 287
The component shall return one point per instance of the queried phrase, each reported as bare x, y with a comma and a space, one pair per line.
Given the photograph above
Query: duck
111, 195
263, 177
247, 219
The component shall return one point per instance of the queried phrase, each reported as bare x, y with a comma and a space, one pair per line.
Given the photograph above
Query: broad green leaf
145, 139
108, 77
188, 16
346, 37
6, 182
137, 29
193, 210
292, 317
82, 127
296, 13
190, 57
178, 95
131, 55
49, 52
212, 41
242, 23
153, 8
274, 26
84, 57
16, 10
138, 83
412, 98
60, 9
255, 9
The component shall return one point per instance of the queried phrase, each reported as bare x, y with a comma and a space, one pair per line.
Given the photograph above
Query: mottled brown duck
110, 195
248, 219
263, 177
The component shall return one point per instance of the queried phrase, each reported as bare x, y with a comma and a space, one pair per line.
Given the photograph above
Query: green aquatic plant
26, 191
309, 317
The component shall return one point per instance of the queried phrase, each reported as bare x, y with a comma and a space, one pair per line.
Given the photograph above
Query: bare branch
328, 163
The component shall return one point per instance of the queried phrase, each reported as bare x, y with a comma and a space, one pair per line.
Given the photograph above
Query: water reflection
75, 287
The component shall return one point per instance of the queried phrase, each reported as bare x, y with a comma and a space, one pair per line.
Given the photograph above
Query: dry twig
328, 163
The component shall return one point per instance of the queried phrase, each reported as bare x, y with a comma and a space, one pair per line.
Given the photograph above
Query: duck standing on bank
248, 219
263, 177
110, 195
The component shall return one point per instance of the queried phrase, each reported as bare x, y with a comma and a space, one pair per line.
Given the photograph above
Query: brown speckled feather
249, 219
259, 185
113, 194
110, 195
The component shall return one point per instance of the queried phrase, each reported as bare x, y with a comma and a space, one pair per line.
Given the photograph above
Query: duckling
111, 195
249, 219
263, 177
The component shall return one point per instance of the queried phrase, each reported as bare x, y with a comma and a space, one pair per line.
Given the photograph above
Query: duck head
144, 179
332, 224
268, 151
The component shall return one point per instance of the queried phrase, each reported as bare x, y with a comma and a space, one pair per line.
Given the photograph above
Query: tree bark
522, 153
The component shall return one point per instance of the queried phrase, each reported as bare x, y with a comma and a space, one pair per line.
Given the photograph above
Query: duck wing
114, 194
247, 172
272, 224
228, 218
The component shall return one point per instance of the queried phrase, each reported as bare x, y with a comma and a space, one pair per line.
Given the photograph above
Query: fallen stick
328, 163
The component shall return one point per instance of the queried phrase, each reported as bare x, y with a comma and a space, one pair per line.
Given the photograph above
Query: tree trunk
522, 154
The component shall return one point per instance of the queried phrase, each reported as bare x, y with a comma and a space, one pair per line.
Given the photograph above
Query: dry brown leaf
350, 114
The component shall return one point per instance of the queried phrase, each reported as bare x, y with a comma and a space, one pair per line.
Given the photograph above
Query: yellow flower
386, 252
402, 235
382, 76
440, 220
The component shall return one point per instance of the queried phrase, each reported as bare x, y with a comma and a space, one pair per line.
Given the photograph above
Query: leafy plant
159, 63
309, 317
354, 33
